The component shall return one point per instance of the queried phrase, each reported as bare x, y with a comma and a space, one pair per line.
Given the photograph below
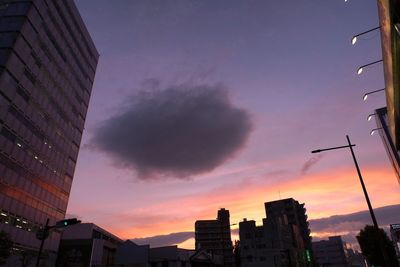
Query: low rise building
331, 252
129, 254
395, 235
203, 258
170, 256
87, 244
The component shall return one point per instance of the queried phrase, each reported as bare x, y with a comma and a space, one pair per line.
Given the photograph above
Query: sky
202, 105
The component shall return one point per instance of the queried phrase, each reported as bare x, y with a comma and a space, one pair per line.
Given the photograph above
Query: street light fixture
370, 116
397, 28
354, 38
44, 232
361, 68
365, 97
371, 211
374, 130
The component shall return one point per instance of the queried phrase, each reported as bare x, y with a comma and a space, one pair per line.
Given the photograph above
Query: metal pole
367, 31
371, 211
41, 244
372, 63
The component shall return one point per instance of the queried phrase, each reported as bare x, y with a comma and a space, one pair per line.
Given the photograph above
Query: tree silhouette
373, 243
5, 247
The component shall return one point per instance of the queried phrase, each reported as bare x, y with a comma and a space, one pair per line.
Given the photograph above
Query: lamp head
365, 97
354, 40
370, 117
360, 70
372, 132
397, 27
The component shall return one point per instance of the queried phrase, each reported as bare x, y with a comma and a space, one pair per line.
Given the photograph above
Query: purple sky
288, 64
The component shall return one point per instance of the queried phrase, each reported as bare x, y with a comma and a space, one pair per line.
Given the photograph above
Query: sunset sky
230, 98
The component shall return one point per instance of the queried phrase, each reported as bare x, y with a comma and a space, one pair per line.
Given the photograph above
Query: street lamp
397, 28
371, 211
354, 38
365, 96
370, 116
44, 232
361, 68
374, 130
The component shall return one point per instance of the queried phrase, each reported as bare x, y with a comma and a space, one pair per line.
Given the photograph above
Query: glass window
11, 23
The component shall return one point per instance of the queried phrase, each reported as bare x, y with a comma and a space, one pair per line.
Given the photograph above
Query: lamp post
371, 211
365, 96
354, 38
43, 233
361, 68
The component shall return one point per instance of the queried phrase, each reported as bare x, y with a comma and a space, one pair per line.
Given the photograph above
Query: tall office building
47, 67
215, 236
388, 118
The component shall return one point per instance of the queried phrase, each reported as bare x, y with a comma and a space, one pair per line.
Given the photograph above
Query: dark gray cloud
170, 239
353, 222
309, 163
164, 240
180, 131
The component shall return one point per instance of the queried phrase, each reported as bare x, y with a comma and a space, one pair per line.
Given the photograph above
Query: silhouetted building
281, 239
129, 254
214, 236
203, 258
170, 256
395, 235
331, 252
295, 213
275, 243
355, 258
47, 67
87, 244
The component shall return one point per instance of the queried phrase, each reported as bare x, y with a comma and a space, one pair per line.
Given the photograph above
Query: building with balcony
279, 241
214, 236
296, 215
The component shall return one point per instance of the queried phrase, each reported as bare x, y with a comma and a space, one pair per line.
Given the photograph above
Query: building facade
47, 67
295, 214
388, 118
87, 244
215, 236
129, 254
170, 256
275, 243
331, 252
395, 236
282, 240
